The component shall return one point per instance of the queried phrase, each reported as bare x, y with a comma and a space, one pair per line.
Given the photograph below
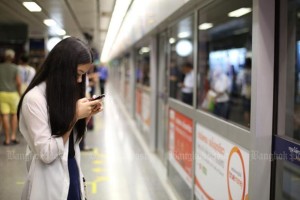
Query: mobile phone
98, 97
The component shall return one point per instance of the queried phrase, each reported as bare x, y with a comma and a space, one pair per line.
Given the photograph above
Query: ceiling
76, 17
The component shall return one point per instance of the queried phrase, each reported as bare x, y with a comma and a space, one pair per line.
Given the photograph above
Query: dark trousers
82, 143
222, 109
74, 189
173, 89
102, 86
187, 98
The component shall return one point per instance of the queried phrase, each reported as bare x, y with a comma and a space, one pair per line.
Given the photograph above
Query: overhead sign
286, 150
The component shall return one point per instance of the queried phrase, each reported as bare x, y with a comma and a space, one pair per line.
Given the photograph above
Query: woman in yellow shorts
10, 85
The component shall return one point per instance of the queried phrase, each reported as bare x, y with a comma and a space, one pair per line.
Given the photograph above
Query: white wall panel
141, 18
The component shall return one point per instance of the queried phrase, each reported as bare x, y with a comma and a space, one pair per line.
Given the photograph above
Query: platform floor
120, 167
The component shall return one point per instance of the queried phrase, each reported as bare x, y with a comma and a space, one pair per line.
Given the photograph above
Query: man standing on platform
26, 72
103, 75
187, 86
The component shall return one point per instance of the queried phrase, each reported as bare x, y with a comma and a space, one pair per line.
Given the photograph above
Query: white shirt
220, 86
46, 155
27, 73
244, 79
188, 83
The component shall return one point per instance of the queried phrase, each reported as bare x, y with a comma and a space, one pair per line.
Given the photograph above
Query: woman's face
81, 70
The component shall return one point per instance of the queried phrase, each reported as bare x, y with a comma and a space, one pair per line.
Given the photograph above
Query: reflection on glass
293, 71
224, 57
187, 86
142, 69
126, 79
181, 75
174, 77
287, 181
288, 173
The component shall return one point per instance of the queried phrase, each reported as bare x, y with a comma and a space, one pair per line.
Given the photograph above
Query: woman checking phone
52, 118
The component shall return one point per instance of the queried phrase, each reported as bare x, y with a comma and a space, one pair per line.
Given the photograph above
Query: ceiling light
145, 49
184, 48
60, 32
184, 34
239, 12
32, 6
49, 22
52, 42
120, 10
205, 26
66, 36
151, 21
172, 40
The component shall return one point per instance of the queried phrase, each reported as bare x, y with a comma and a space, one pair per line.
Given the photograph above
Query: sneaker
15, 142
6, 144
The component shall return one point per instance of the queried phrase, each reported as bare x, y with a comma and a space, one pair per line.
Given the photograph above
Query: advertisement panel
146, 111
181, 144
126, 94
220, 166
138, 104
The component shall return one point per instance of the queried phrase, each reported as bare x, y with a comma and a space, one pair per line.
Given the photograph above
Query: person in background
26, 72
103, 76
187, 86
10, 91
174, 75
91, 81
220, 85
244, 80
53, 113
232, 75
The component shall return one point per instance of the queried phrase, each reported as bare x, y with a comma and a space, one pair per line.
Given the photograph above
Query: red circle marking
235, 149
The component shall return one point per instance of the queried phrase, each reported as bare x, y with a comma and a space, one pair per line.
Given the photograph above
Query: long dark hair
59, 71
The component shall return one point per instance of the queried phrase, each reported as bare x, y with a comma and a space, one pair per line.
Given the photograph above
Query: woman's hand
86, 108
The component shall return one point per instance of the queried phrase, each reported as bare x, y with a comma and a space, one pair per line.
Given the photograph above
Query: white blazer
47, 156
